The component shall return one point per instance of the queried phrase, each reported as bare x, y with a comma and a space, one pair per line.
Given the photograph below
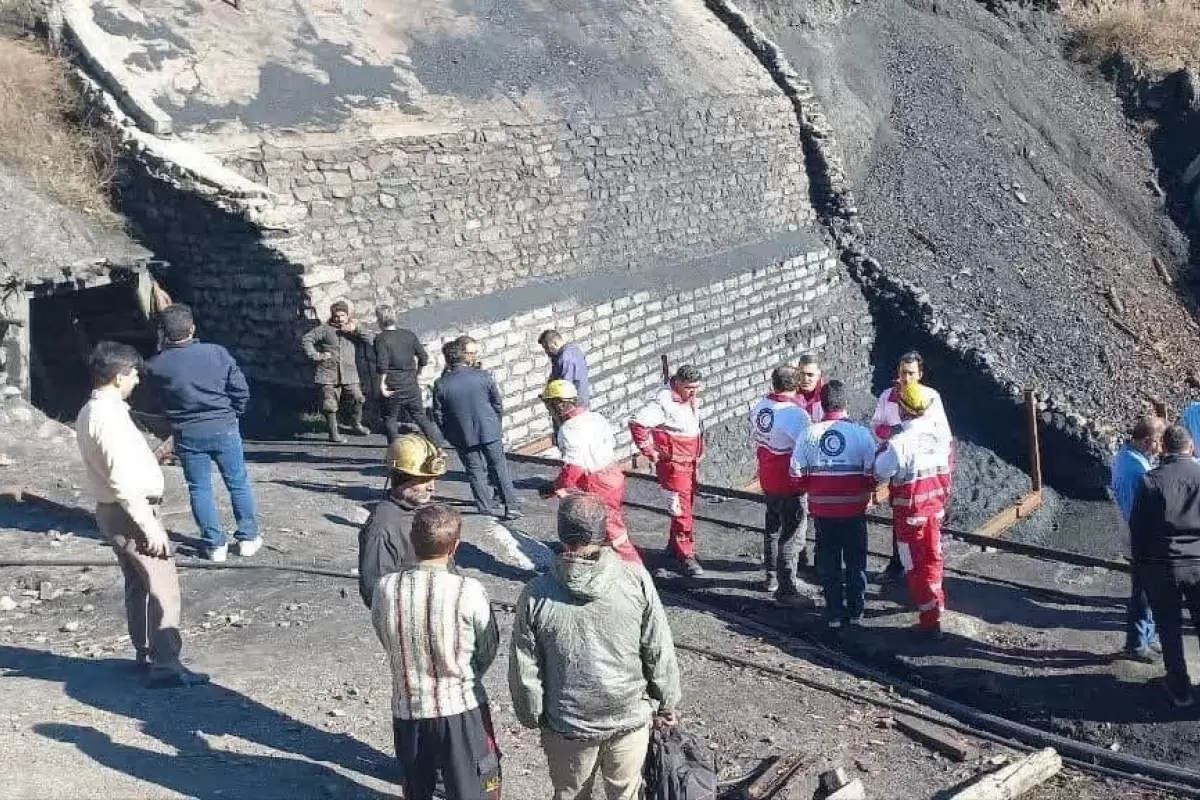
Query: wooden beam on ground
1014, 780
1010, 516
776, 776
536, 446
940, 739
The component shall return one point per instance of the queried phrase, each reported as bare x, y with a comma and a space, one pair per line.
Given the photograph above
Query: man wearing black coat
1164, 531
467, 407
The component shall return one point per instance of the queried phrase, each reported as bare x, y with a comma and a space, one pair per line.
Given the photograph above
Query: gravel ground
300, 709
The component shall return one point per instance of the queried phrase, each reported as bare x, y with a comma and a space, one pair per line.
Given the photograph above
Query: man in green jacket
592, 661
333, 348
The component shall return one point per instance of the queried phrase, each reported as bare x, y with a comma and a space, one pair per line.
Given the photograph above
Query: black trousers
1169, 589
483, 462
462, 749
407, 409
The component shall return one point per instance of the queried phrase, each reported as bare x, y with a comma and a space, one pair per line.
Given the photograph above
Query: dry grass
42, 136
1161, 34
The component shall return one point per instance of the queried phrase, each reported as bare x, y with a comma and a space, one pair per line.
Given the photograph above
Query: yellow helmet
560, 390
415, 455
914, 399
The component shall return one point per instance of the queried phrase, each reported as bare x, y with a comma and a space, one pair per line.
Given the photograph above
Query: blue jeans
841, 560
197, 455
1140, 631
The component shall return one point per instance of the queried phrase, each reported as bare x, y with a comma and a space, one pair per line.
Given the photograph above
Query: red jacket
811, 402
670, 428
917, 461
777, 422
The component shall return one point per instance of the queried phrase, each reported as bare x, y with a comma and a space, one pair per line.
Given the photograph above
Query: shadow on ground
183, 719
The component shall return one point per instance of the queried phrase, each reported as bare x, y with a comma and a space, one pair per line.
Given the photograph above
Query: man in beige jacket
124, 477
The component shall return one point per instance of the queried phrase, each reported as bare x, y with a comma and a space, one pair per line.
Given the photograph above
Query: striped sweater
439, 635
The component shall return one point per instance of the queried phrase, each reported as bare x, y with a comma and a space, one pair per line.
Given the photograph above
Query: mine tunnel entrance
66, 325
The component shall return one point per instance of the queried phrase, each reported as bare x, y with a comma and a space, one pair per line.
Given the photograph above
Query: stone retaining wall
421, 219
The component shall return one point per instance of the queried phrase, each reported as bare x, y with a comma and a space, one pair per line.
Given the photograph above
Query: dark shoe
690, 567
794, 600
511, 514
1144, 655
802, 559
183, 679
929, 634
1184, 700
771, 584
360, 430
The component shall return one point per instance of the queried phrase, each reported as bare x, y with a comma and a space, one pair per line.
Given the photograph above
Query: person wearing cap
592, 662
333, 347
384, 542
777, 422
588, 448
669, 432
916, 462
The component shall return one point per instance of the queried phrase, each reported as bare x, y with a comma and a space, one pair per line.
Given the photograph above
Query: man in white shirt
124, 477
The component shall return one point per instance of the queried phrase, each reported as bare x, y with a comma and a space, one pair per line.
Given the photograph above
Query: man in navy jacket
467, 407
203, 393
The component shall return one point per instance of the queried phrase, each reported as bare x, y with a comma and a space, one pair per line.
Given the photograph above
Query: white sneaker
248, 547
217, 555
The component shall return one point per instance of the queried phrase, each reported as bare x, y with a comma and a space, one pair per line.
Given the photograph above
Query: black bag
678, 767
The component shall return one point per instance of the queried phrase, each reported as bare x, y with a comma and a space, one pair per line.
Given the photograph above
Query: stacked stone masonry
735, 330
416, 220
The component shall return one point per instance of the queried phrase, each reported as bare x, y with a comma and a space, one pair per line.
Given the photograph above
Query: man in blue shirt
1133, 461
203, 393
567, 363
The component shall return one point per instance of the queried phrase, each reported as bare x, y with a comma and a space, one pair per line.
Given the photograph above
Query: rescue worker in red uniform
585, 440
886, 423
835, 462
776, 423
811, 383
669, 433
916, 461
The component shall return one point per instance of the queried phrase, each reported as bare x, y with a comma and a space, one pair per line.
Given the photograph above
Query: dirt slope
1009, 185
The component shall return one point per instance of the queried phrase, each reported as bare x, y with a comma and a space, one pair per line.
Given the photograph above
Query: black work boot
335, 435
356, 424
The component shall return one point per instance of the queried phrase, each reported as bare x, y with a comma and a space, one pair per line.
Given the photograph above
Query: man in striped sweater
440, 637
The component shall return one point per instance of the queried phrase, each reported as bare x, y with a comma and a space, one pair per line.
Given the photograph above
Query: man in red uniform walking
917, 462
585, 440
669, 433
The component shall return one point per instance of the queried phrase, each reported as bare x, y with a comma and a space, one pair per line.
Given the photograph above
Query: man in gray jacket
333, 347
592, 661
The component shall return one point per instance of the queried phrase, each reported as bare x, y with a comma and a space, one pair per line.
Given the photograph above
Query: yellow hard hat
914, 399
415, 455
560, 390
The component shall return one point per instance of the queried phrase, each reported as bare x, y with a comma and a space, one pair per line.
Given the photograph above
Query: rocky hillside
1006, 182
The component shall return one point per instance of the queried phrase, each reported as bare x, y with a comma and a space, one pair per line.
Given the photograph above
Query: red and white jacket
835, 464
670, 427
917, 461
887, 414
588, 448
811, 403
776, 423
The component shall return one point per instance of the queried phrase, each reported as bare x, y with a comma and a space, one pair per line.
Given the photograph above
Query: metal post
1035, 449
666, 369
1160, 409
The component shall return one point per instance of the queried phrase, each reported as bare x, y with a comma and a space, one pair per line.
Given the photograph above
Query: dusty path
300, 705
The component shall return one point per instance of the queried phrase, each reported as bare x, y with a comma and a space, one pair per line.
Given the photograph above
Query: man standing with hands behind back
124, 477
